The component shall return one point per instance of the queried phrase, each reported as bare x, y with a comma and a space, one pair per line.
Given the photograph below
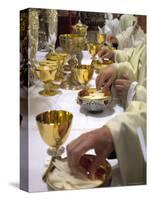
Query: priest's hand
122, 86
112, 40
105, 52
106, 77
100, 140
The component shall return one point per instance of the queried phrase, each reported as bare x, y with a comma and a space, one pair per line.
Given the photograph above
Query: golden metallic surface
57, 55
54, 127
90, 92
49, 92
72, 43
82, 74
97, 65
46, 73
92, 48
101, 38
61, 59
80, 28
48, 62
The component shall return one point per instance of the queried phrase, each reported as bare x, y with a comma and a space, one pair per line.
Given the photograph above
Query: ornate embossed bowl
93, 100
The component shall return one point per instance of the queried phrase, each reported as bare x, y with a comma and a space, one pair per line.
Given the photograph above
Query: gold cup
93, 48
97, 65
61, 58
101, 38
47, 74
54, 127
81, 75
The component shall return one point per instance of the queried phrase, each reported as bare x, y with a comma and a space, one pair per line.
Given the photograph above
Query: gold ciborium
81, 75
80, 28
47, 74
101, 38
72, 44
54, 127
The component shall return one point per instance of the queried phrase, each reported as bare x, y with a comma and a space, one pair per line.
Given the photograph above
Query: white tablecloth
82, 122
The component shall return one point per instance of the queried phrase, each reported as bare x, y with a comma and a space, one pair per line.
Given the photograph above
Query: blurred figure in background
132, 33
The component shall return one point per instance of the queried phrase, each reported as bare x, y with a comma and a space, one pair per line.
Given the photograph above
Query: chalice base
49, 93
54, 85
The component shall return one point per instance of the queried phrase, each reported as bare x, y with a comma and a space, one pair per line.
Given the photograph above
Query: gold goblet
47, 74
93, 49
99, 65
101, 38
81, 75
61, 58
54, 127
49, 63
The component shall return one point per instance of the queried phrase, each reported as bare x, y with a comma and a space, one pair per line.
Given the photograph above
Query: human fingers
75, 151
102, 52
119, 82
108, 83
99, 81
119, 88
95, 164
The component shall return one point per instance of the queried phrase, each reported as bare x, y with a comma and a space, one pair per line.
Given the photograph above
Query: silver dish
93, 105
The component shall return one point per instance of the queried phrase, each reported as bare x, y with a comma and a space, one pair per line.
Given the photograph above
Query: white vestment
126, 21
132, 63
113, 25
125, 126
124, 129
131, 38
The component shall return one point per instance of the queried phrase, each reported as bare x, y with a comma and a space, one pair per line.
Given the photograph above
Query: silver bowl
93, 105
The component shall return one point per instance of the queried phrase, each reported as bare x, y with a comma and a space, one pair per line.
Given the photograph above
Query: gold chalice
61, 58
93, 49
99, 65
47, 74
49, 63
81, 75
101, 38
72, 44
54, 127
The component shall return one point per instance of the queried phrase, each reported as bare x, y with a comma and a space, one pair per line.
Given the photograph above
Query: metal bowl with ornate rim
93, 100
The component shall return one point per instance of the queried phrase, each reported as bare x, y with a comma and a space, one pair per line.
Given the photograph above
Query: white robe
125, 126
113, 25
124, 129
126, 21
131, 38
132, 63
